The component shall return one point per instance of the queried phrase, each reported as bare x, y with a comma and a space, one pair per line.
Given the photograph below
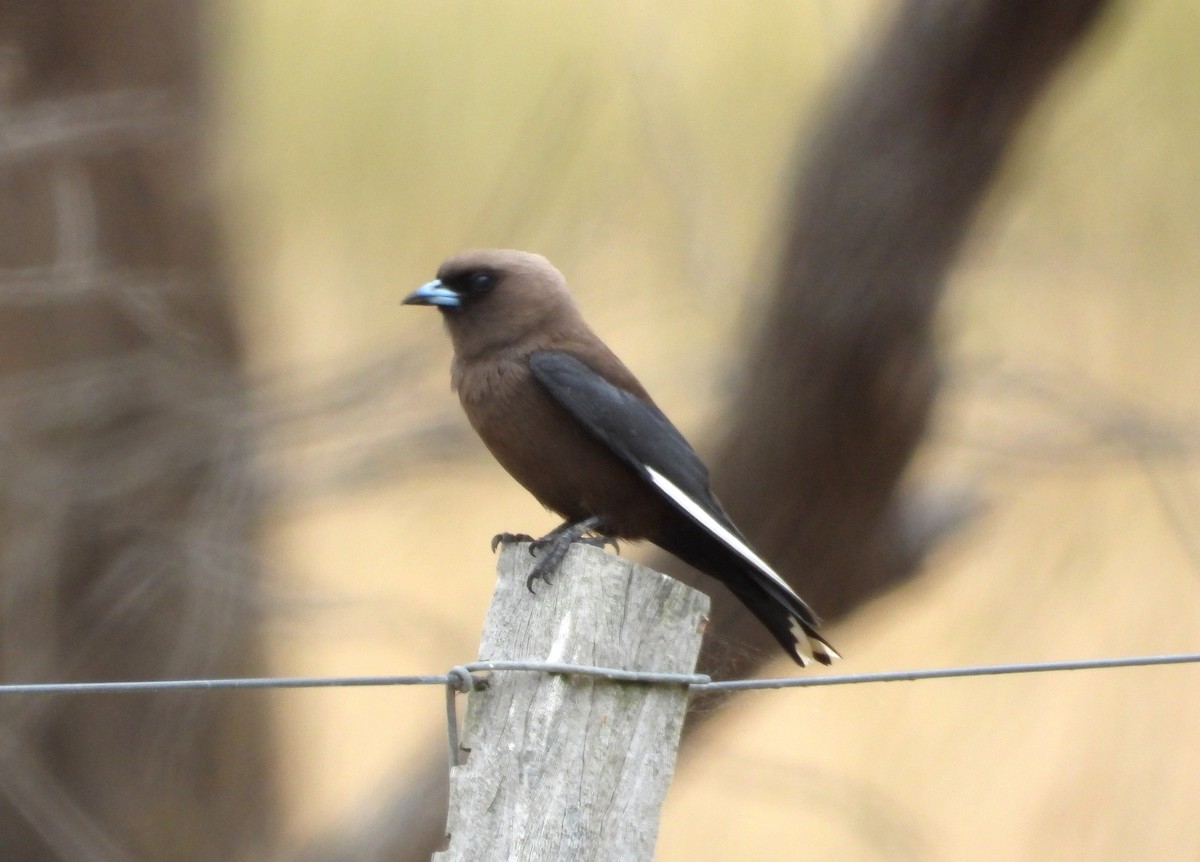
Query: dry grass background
641, 148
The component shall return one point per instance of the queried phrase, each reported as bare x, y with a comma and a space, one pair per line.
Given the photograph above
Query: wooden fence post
573, 767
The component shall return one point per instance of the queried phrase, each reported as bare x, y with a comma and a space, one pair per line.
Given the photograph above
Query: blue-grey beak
433, 293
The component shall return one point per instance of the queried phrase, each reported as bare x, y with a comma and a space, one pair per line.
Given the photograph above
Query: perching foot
552, 547
508, 538
599, 541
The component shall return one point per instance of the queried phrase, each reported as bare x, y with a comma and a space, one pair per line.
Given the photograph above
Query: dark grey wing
640, 435
635, 430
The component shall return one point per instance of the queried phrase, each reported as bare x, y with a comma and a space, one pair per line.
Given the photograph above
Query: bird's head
496, 298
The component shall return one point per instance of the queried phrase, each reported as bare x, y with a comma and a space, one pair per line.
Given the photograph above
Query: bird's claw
538, 574
600, 540
508, 538
552, 547
555, 548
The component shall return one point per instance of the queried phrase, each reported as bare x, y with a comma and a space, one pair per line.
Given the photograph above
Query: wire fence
474, 676
469, 676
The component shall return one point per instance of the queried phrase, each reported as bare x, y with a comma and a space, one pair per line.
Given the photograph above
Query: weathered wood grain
573, 767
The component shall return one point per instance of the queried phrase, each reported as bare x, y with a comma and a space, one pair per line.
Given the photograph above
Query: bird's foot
599, 540
550, 553
508, 538
552, 547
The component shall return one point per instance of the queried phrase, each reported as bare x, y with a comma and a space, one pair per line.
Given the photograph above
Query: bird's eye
481, 282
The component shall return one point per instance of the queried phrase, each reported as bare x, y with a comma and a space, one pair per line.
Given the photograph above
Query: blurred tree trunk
126, 505
841, 376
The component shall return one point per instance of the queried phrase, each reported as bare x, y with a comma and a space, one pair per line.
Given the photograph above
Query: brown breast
550, 454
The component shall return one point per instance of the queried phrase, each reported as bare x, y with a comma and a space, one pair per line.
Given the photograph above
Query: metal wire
951, 672
240, 682
471, 677
609, 673
696, 682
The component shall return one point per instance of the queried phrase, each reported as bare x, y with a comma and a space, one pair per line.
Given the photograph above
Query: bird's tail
786, 616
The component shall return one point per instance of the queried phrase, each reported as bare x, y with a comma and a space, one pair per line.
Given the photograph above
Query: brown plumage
565, 417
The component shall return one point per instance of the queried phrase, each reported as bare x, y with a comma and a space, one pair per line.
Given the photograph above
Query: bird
572, 424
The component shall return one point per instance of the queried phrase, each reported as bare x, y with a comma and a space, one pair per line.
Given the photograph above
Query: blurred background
337, 520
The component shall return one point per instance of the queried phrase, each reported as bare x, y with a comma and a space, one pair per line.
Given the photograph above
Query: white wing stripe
698, 514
